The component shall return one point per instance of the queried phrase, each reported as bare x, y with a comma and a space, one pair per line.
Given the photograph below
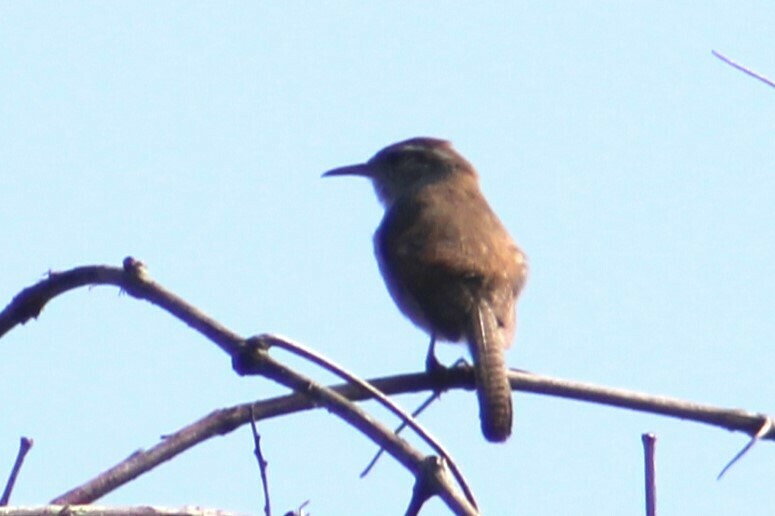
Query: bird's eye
398, 161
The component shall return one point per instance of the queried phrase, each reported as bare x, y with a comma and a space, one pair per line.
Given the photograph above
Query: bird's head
403, 167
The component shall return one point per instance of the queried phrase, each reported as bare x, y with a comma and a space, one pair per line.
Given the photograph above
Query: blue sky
633, 167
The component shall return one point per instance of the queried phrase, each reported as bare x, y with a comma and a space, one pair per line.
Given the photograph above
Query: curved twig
248, 357
224, 421
133, 280
303, 351
765, 429
255, 360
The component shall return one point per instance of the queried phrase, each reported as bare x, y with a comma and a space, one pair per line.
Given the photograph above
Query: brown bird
447, 261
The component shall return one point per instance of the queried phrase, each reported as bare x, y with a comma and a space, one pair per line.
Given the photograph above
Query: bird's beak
361, 169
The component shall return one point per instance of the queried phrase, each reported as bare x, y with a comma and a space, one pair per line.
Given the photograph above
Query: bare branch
416, 412
407, 419
431, 478
251, 357
132, 279
248, 357
729, 419
97, 510
649, 440
25, 444
743, 69
765, 429
224, 421
262, 464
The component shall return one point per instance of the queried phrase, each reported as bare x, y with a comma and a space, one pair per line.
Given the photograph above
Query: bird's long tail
492, 384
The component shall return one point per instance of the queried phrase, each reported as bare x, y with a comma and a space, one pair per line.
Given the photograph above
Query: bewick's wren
448, 263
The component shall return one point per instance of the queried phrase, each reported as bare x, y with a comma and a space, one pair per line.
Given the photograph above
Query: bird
448, 262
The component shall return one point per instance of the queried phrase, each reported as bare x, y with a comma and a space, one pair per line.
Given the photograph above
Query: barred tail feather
492, 384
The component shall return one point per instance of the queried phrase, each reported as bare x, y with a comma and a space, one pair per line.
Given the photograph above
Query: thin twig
743, 69
432, 473
301, 350
425, 404
262, 464
730, 419
29, 303
224, 421
134, 279
300, 510
25, 444
254, 359
764, 430
649, 442
436, 371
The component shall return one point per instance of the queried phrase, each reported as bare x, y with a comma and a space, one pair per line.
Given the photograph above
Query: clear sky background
634, 168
